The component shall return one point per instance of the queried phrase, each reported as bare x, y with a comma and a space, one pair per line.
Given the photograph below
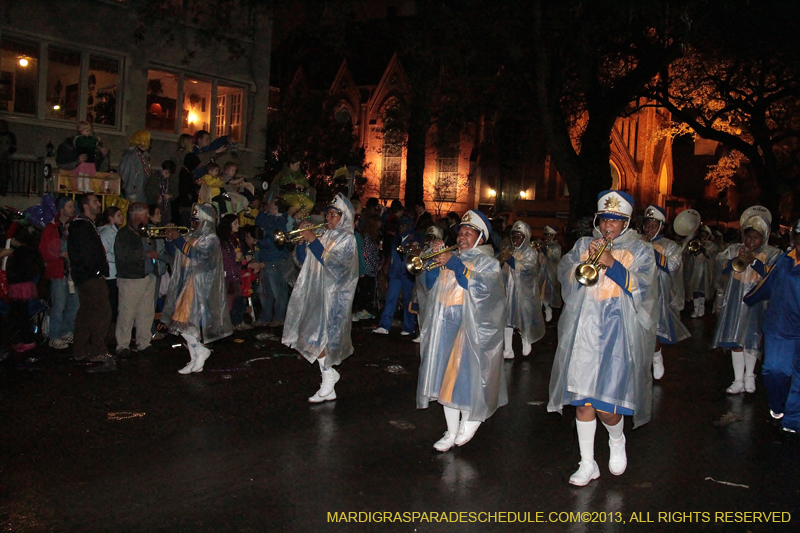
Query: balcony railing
23, 176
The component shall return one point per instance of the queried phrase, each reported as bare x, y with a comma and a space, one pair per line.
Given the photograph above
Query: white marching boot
449, 438
750, 360
326, 390
202, 354
192, 354
526, 348
617, 459
701, 307
466, 430
737, 387
658, 365
508, 337
588, 469
548, 313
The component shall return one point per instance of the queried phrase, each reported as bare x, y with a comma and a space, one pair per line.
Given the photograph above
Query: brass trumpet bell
740, 264
160, 232
694, 246
588, 272
417, 264
282, 237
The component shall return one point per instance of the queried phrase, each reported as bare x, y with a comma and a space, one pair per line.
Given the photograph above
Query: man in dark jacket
89, 267
136, 286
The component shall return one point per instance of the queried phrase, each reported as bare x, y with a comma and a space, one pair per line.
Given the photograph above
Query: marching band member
521, 276
743, 266
699, 271
319, 317
551, 288
432, 234
197, 302
606, 335
400, 282
462, 336
781, 368
670, 329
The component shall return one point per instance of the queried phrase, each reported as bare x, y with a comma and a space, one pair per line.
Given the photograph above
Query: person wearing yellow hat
606, 334
134, 167
742, 266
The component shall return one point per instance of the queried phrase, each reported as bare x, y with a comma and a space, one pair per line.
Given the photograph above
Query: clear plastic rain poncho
670, 329
462, 339
548, 275
699, 270
196, 298
522, 289
605, 336
421, 294
320, 312
739, 324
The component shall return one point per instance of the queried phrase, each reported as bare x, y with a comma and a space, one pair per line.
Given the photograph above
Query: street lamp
523, 194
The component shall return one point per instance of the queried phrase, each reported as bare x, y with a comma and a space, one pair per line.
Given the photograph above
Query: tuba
588, 272
417, 264
160, 232
281, 237
686, 223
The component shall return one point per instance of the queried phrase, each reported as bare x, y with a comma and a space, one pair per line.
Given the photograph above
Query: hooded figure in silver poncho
699, 270
670, 329
432, 234
197, 303
606, 335
549, 257
739, 325
461, 352
319, 315
521, 276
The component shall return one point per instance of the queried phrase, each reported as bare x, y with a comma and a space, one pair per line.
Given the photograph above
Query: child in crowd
236, 188
214, 184
157, 189
86, 143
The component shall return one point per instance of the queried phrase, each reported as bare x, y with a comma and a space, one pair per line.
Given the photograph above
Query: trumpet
588, 272
505, 253
694, 246
160, 232
282, 237
417, 264
414, 248
537, 245
740, 263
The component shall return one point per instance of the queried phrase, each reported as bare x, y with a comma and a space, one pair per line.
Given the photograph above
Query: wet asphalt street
238, 448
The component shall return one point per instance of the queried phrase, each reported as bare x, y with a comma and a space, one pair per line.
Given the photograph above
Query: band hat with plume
436, 231
477, 221
615, 205
656, 213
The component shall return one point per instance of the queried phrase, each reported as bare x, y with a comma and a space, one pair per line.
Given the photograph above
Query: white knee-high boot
750, 358
737, 387
508, 338
658, 365
467, 429
588, 469
191, 343
448, 439
617, 460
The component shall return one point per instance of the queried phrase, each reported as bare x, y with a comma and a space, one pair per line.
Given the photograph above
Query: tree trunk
415, 154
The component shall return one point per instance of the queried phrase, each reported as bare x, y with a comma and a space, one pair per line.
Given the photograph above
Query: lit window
162, 98
229, 112
446, 188
392, 165
103, 88
196, 105
19, 62
63, 83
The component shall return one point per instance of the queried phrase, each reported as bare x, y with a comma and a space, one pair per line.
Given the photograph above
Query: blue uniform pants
396, 286
781, 372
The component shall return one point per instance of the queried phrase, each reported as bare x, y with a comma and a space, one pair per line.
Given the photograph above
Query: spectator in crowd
63, 298
178, 157
206, 150
227, 231
367, 283
8, 145
89, 268
247, 217
112, 219
68, 158
161, 188
156, 267
134, 167
422, 219
273, 289
187, 189
136, 286
22, 270
400, 281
